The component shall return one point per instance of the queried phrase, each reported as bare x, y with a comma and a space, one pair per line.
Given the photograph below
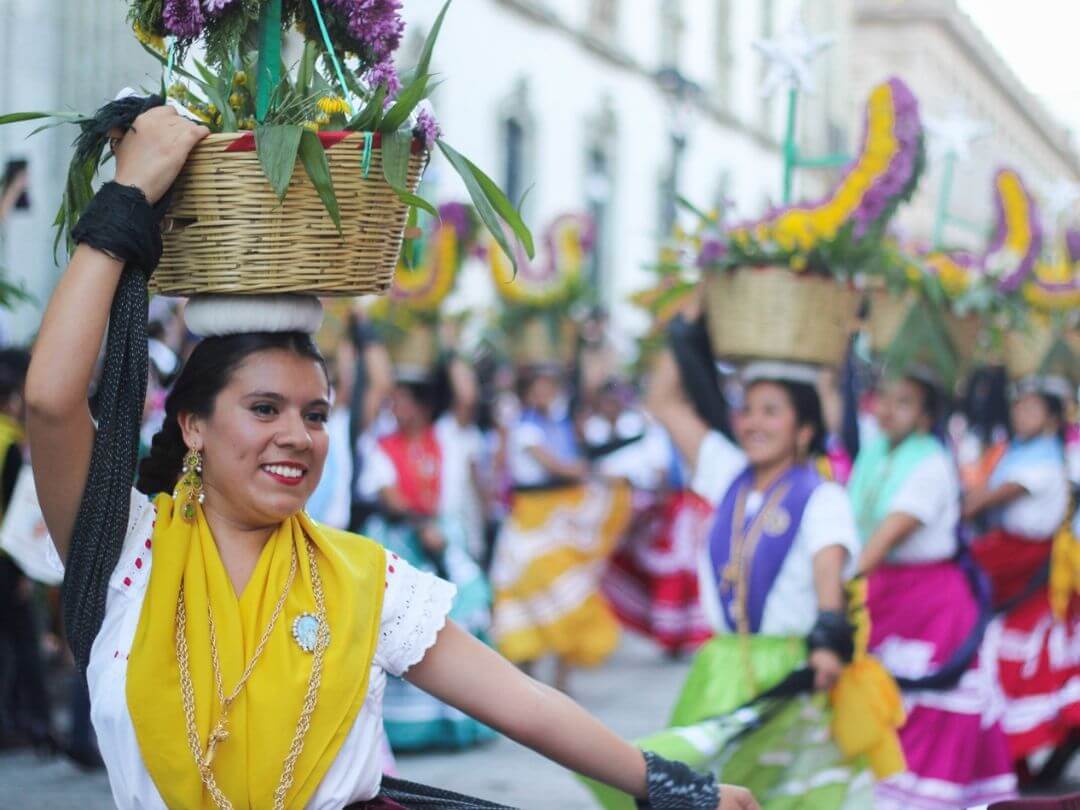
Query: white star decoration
789, 57
1060, 197
955, 134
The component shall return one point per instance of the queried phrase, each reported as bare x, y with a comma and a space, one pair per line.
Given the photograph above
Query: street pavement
632, 693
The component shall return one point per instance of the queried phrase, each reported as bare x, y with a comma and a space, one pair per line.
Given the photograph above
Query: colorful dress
1038, 665
652, 582
415, 720
551, 553
757, 589
924, 619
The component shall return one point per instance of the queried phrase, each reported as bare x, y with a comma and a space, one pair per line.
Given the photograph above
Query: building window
600, 193
516, 143
672, 26
768, 29
725, 53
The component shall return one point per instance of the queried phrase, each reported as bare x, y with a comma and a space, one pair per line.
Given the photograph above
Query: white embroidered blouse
415, 607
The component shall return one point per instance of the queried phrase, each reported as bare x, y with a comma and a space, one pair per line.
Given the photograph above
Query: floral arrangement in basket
554, 280
429, 268
842, 233
344, 82
1054, 284
989, 283
544, 292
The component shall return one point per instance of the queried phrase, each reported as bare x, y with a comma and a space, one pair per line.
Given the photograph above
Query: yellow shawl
263, 718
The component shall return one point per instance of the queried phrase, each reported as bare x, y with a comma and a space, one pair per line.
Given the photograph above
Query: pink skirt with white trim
956, 751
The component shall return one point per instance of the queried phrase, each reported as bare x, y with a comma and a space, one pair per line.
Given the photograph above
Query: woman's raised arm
149, 157
468, 675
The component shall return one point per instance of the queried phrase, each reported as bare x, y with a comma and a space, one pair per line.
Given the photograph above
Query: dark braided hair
202, 378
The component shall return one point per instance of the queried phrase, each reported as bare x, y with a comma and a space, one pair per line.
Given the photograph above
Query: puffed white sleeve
416, 605
829, 520
376, 474
925, 494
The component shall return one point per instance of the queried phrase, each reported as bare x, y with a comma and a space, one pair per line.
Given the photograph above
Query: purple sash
768, 537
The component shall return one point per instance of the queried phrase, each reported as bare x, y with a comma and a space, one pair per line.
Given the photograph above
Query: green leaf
423, 64
318, 171
492, 194
396, 150
484, 208
416, 202
277, 146
404, 105
307, 67
369, 118
15, 118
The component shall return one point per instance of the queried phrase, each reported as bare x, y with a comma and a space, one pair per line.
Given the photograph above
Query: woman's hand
736, 798
827, 667
151, 154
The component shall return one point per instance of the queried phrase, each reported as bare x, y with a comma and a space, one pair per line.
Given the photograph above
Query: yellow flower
311, 125
798, 262
178, 90
322, 119
236, 101
210, 108
148, 39
239, 79
333, 105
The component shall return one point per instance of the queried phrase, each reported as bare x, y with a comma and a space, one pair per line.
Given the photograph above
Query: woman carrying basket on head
237, 651
772, 575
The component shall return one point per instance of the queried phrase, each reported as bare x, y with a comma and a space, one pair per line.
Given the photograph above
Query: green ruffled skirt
779, 748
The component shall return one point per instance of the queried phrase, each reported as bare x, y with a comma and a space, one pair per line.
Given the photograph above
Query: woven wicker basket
1025, 350
226, 232
538, 344
886, 316
771, 313
415, 351
888, 312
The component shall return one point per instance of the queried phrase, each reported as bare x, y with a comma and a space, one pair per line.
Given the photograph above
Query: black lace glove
675, 786
833, 631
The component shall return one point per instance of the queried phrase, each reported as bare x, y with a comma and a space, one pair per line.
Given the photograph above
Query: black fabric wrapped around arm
676, 786
120, 222
689, 343
833, 631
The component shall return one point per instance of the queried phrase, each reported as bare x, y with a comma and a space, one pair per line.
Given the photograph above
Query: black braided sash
120, 222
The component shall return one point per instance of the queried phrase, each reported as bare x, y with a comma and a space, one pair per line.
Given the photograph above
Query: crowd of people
877, 581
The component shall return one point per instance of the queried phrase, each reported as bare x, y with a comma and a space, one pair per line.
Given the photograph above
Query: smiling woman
236, 651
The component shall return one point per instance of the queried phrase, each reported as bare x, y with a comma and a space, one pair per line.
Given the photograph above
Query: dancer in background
1023, 507
408, 475
551, 551
925, 619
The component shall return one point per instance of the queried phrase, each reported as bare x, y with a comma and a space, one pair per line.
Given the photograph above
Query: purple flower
215, 7
374, 24
183, 18
712, 251
457, 216
382, 73
427, 128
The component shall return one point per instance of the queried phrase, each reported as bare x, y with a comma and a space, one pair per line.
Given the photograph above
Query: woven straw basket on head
771, 313
888, 311
416, 349
1025, 349
226, 231
542, 342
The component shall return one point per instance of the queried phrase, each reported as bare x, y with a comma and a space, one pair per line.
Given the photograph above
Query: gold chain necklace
204, 760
